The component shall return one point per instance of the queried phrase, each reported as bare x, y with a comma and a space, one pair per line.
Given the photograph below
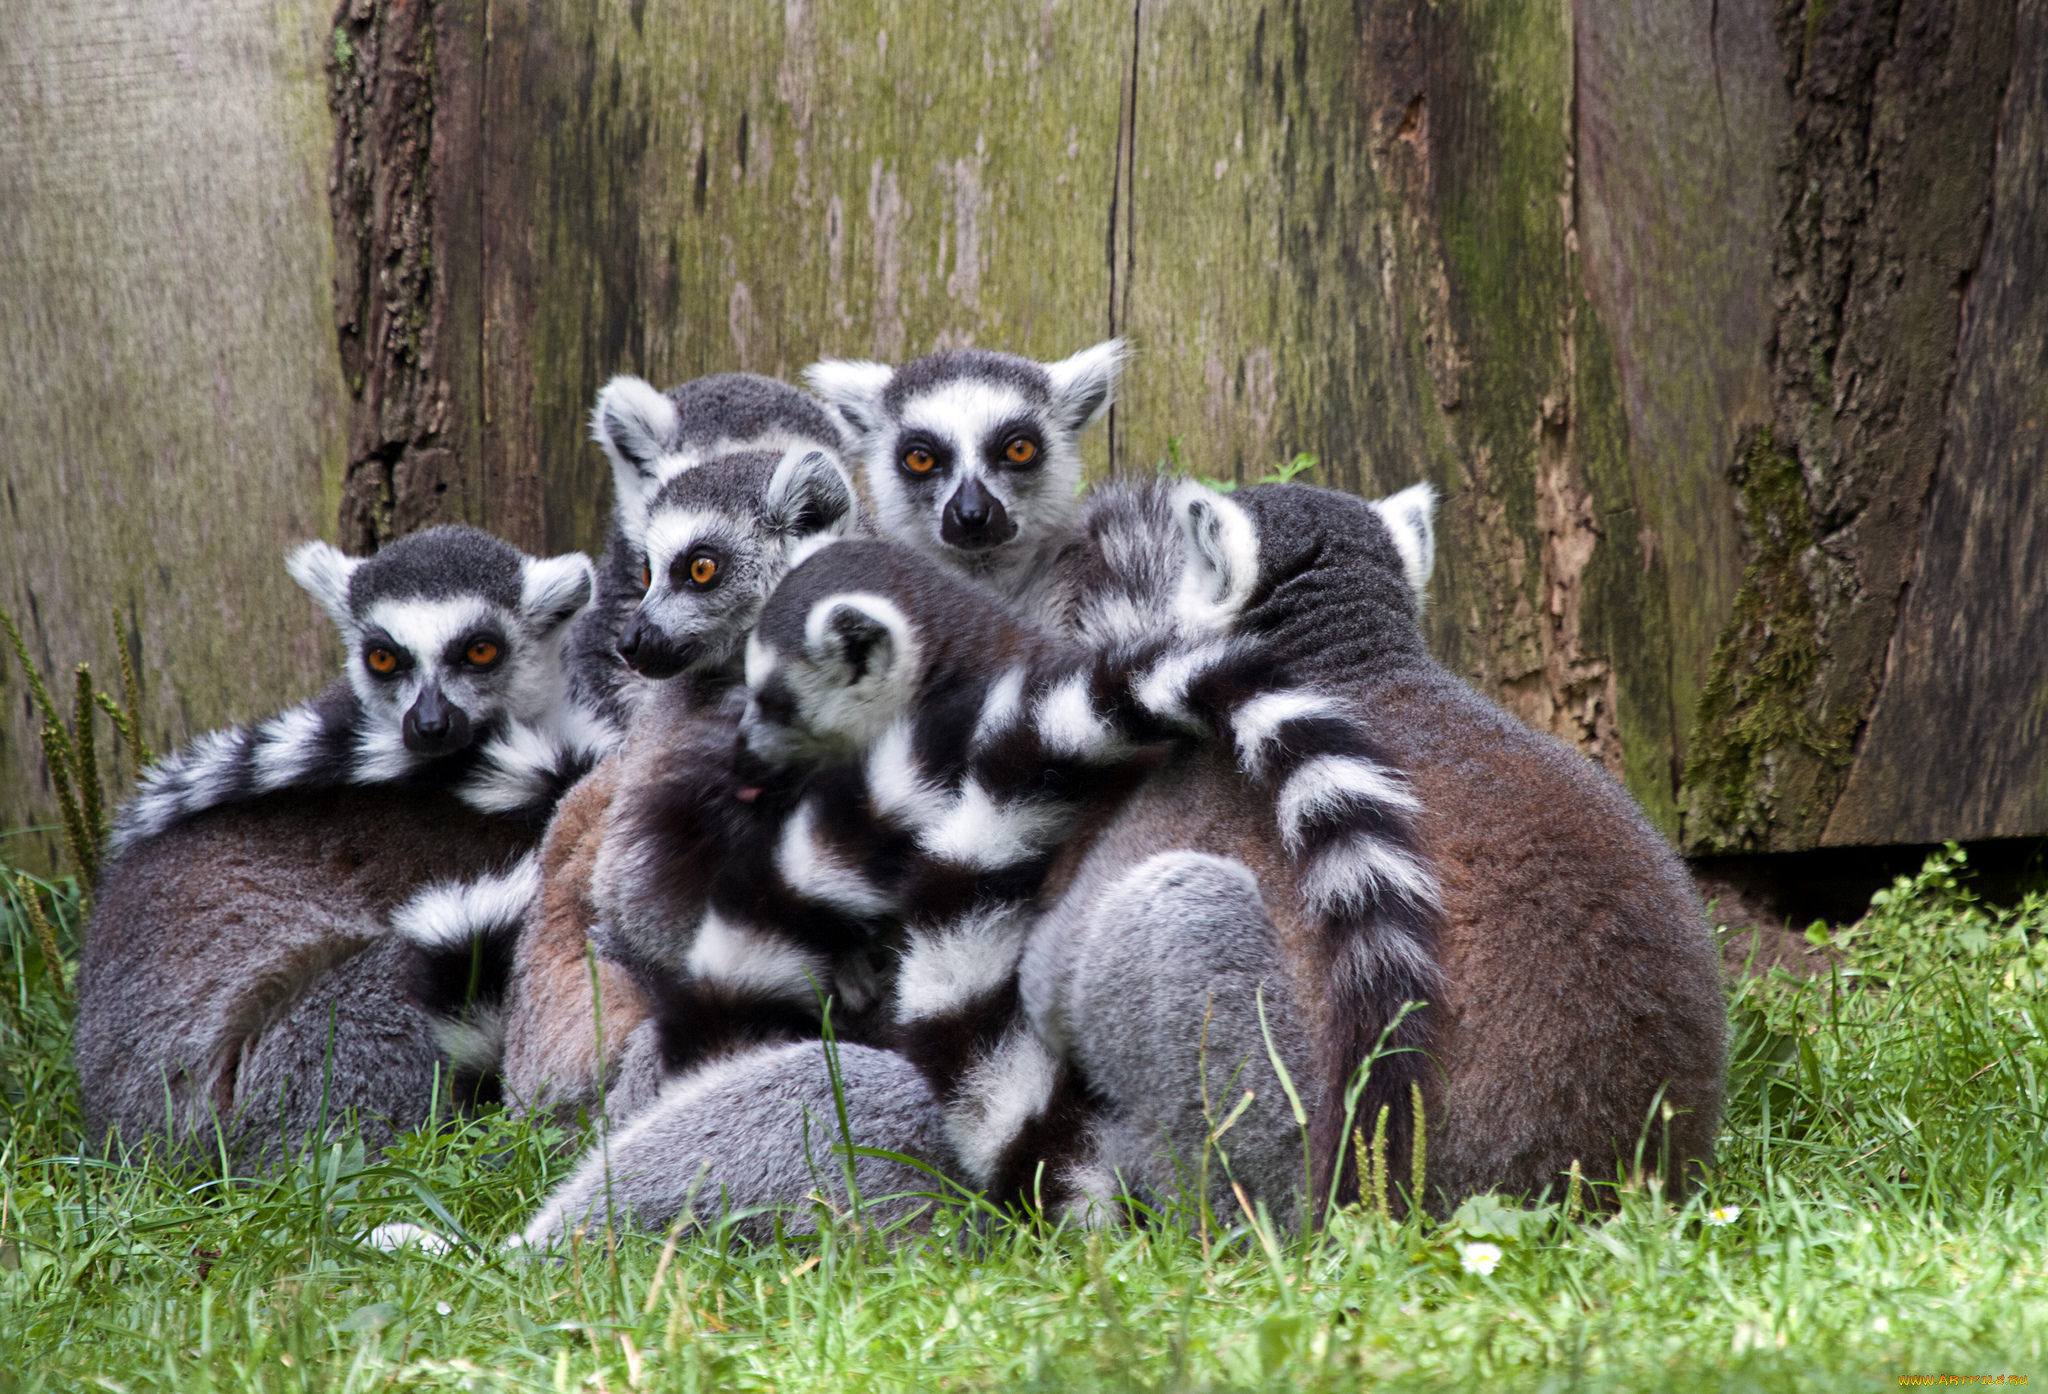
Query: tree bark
1718, 325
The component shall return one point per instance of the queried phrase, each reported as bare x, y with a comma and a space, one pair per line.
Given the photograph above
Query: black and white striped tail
465, 934
1344, 813
514, 771
1017, 1113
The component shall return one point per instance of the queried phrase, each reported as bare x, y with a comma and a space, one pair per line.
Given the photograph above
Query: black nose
975, 518
435, 725
650, 652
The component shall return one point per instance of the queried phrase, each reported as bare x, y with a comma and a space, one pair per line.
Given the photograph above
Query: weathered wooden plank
1955, 745
677, 189
1680, 110
170, 395
1886, 190
404, 85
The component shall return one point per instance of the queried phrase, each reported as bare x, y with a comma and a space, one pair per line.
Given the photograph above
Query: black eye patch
1017, 444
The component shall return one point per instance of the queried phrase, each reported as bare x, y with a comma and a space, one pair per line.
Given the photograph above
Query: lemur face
972, 456
716, 541
449, 632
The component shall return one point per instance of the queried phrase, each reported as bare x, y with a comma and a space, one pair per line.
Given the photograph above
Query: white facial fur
964, 416
752, 552
526, 684
1411, 516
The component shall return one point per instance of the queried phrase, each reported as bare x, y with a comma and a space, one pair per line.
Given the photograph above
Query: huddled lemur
241, 986
923, 754
718, 487
1581, 992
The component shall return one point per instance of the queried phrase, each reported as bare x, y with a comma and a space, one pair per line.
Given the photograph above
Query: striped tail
466, 933
1017, 1114
311, 746
1348, 820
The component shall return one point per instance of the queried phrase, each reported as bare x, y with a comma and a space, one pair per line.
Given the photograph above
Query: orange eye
1021, 451
918, 460
483, 653
383, 662
646, 577
703, 569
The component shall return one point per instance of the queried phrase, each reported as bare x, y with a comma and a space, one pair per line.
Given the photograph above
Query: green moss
1757, 714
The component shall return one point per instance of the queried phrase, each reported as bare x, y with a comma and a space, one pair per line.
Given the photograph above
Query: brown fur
1583, 988
551, 1046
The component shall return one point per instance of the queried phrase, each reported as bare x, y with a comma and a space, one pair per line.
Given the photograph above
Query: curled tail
1347, 818
311, 746
465, 934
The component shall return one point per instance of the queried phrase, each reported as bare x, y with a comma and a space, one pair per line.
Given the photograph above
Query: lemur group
1101, 850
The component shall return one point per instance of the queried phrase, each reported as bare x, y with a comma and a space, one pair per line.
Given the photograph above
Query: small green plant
72, 752
1282, 473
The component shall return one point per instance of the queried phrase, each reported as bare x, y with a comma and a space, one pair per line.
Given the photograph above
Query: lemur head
449, 632
652, 436
714, 542
854, 638
972, 456
1288, 556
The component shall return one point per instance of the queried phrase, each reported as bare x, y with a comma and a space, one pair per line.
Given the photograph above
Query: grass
1880, 1210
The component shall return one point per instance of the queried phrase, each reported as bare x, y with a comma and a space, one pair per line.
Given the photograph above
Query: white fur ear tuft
809, 494
852, 387
636, 425
1411, 516
324, 571
554, 590
1084, 386
1220, 556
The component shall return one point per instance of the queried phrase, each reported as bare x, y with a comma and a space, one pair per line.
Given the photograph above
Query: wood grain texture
678, 188
170, 395
1954, 747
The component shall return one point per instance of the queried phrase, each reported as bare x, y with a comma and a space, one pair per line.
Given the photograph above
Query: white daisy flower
1479, 1258
1724, 1215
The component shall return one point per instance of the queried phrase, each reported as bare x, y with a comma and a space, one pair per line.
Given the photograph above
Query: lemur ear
809, 494
554, 590
324, 571
1084, 386
858, 638
1220, 556
636, 425
1411, 516
852, 387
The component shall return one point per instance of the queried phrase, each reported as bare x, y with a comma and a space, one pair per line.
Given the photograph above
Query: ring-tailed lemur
977, 743
651, 438
454, 681
709, 543
239, 969
1581, 987
972, 456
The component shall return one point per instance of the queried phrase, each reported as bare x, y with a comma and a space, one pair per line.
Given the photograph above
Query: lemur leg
1142, 981
757, 1130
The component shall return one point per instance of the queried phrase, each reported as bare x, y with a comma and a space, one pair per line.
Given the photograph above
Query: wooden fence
1723, 327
